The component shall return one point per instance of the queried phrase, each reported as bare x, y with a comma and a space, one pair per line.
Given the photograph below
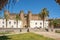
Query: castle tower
22, 17
29, 17
6, 12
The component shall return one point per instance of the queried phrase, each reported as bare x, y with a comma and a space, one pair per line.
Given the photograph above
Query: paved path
13, 33
50, 34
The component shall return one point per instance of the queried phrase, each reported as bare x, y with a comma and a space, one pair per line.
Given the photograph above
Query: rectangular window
25, 16
35, 23
14, 22
9, 22
40, 23
3, 22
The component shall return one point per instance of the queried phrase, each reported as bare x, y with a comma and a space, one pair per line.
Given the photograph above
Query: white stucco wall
10, 23
14, 24
20, 24
38, 23
2, 23
46, 24
33, 24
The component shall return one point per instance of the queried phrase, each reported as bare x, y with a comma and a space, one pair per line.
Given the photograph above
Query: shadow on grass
4, 38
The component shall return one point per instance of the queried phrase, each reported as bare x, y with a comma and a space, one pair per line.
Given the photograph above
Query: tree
6, 17
17, 18
51, 23
44, 13
54, 23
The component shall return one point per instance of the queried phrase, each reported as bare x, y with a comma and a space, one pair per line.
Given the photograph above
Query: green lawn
25, 36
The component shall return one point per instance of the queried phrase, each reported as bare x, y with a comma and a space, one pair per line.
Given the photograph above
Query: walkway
49, 34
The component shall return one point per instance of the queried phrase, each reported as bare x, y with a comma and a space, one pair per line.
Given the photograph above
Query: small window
3, 22
9, 22
25, 16
14, 22
40, 23
36, 23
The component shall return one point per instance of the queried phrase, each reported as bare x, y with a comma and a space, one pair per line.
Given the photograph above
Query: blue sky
35, 6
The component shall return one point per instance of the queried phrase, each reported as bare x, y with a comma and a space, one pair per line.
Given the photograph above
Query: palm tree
44, 13
6, 17
17, 18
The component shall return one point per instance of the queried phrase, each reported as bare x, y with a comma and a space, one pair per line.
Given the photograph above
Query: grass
4, 33
25, 36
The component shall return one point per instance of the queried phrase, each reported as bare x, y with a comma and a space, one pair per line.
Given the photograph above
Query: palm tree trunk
6, 23
43, 23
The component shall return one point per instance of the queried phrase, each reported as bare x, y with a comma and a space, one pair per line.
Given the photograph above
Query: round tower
22, 17
29, 17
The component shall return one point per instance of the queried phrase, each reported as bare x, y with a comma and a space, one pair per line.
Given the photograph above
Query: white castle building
14, 24
26, 20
